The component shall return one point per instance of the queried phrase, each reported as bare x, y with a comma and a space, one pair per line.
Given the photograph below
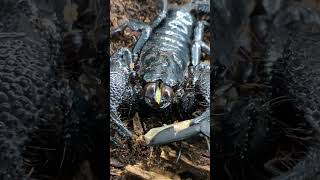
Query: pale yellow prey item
158, 95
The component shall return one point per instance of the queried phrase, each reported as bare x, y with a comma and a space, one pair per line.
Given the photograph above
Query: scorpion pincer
167, 55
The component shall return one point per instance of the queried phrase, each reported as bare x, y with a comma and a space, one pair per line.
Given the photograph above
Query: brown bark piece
170, 155
137, 126
138, 171
115, 172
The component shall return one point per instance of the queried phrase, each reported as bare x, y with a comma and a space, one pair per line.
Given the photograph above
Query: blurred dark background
265, 123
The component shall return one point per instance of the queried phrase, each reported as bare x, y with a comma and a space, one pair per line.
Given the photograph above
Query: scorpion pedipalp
178, 131
119, 84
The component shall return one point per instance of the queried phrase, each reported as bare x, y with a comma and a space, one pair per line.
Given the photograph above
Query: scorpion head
158, 95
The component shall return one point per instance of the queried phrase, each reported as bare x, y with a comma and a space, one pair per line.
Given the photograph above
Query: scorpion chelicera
164, 60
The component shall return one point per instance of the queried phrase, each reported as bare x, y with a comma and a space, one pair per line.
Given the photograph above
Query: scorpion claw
177, 132
121, 129
119, 85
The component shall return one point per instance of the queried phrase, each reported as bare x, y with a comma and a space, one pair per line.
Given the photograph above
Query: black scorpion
165, 57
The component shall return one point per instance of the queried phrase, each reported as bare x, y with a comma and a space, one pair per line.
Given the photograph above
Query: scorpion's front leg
145, 29
135, 25
119, 87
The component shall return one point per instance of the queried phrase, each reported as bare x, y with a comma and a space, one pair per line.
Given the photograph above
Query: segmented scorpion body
166, 57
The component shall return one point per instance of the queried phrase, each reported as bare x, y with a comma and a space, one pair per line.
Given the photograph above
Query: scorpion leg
198, 43
201, 6
162, 14
146, 29
135, 25
119, 85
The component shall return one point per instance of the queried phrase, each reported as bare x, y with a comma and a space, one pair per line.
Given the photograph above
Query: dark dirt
195, 162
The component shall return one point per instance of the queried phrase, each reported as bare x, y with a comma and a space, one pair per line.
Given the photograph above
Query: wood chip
137, 126
116, 163
138, 171
170, 155
115, 172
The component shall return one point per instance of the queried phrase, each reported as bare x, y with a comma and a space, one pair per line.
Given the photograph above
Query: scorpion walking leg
198, 43
161, 15
146, 29
201, 6
135, 25
119, 84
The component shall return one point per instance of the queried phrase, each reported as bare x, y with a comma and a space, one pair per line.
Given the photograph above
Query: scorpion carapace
166, 60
